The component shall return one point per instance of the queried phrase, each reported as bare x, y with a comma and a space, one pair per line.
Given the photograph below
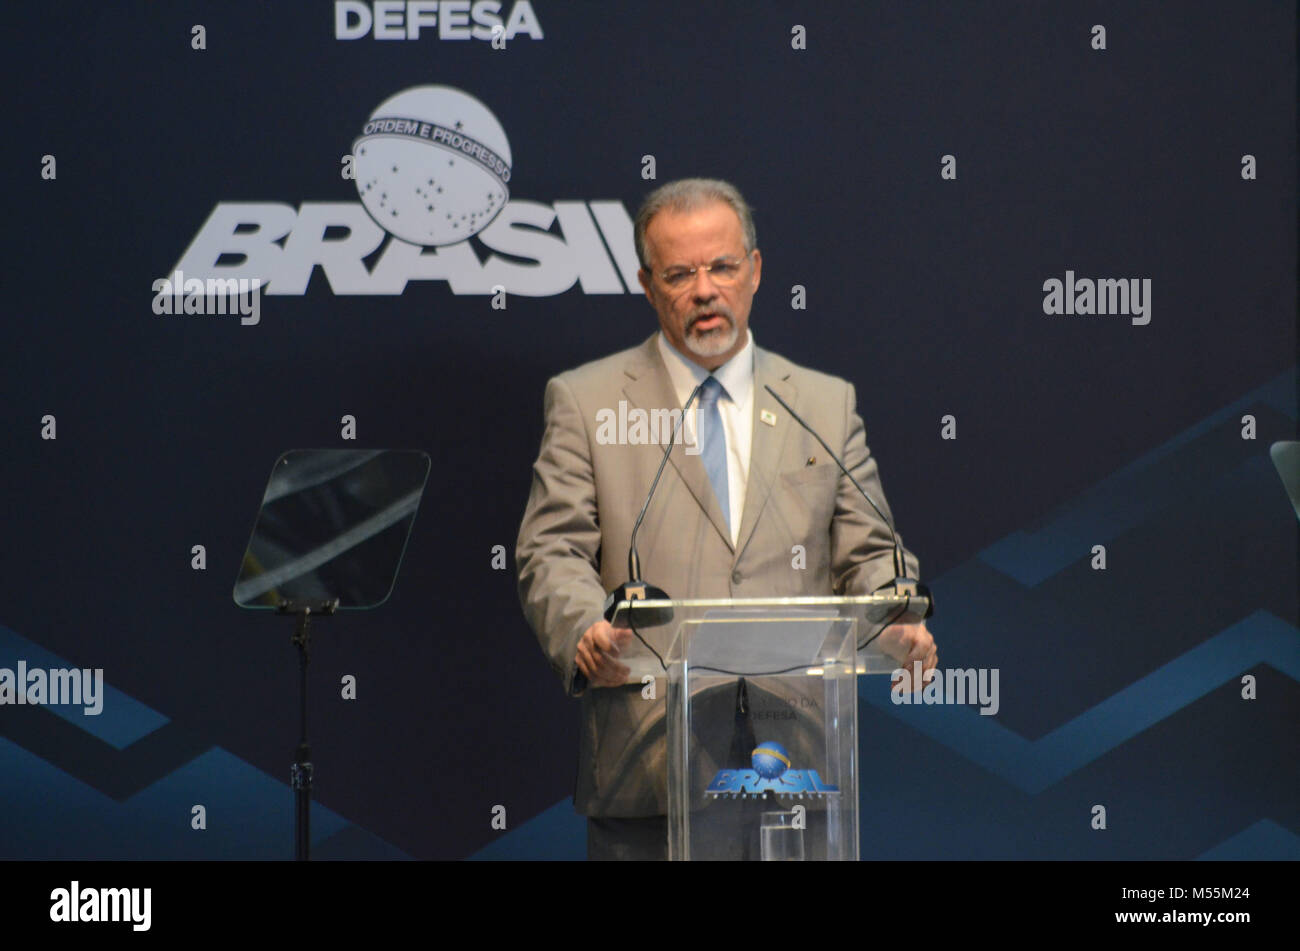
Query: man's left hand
908, 644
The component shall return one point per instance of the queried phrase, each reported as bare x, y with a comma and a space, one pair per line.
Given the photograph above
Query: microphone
635, 589
903, 586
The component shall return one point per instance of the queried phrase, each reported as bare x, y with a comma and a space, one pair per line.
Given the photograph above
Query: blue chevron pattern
51, 813
1135, 493
1034, 765
1265, 840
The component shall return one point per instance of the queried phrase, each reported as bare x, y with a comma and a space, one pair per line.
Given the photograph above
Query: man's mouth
709, 322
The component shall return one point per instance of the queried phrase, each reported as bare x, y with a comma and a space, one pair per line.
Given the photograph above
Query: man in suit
727, 513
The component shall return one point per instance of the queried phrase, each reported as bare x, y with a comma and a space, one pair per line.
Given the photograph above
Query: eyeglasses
724, 272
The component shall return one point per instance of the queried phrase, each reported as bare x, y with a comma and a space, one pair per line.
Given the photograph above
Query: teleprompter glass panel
333, 524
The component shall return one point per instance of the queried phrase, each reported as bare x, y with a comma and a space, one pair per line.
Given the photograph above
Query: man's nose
703, 289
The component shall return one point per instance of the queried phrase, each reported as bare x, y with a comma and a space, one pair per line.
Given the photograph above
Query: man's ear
758, 267
644, 277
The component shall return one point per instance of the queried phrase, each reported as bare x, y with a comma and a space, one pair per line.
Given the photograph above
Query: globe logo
770, 760
432, 165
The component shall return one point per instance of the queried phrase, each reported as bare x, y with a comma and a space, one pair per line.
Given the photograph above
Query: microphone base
913, 589
639, 591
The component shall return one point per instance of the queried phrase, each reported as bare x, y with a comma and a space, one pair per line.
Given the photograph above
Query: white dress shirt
736, 408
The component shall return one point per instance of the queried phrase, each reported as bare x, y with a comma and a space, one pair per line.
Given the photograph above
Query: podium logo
433, 167
770, 760
771, 773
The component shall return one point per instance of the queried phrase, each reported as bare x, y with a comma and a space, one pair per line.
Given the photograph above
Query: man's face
706, 315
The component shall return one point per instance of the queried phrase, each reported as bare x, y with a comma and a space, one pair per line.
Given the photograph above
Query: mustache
700, 313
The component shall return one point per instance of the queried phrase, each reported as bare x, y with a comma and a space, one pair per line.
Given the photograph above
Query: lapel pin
767, 416
812, 460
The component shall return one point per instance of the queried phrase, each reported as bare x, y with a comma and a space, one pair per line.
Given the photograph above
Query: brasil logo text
771, 774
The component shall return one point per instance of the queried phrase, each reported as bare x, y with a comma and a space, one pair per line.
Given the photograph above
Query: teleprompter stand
329, 536
301, 771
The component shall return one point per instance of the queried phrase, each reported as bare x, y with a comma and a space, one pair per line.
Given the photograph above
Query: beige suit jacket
585, 496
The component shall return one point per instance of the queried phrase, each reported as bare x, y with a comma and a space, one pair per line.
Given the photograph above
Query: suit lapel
649, 387
768, 441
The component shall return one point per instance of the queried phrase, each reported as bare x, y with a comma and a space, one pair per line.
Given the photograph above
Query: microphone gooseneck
635, 589
633, 560
903, 585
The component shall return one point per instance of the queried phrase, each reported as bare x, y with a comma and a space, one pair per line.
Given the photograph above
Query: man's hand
598, 652
907, 644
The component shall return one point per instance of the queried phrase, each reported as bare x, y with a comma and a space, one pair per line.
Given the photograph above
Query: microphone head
633, 591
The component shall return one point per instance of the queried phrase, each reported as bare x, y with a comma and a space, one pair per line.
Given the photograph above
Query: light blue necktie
713, 444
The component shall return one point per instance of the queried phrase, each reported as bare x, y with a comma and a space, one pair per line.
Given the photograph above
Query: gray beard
714, 343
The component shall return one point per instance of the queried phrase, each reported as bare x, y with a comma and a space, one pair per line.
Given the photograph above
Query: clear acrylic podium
762, 718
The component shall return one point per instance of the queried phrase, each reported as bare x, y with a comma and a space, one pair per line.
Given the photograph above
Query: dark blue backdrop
1119, 687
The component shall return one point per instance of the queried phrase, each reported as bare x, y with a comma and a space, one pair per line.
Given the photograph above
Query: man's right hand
598, 652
